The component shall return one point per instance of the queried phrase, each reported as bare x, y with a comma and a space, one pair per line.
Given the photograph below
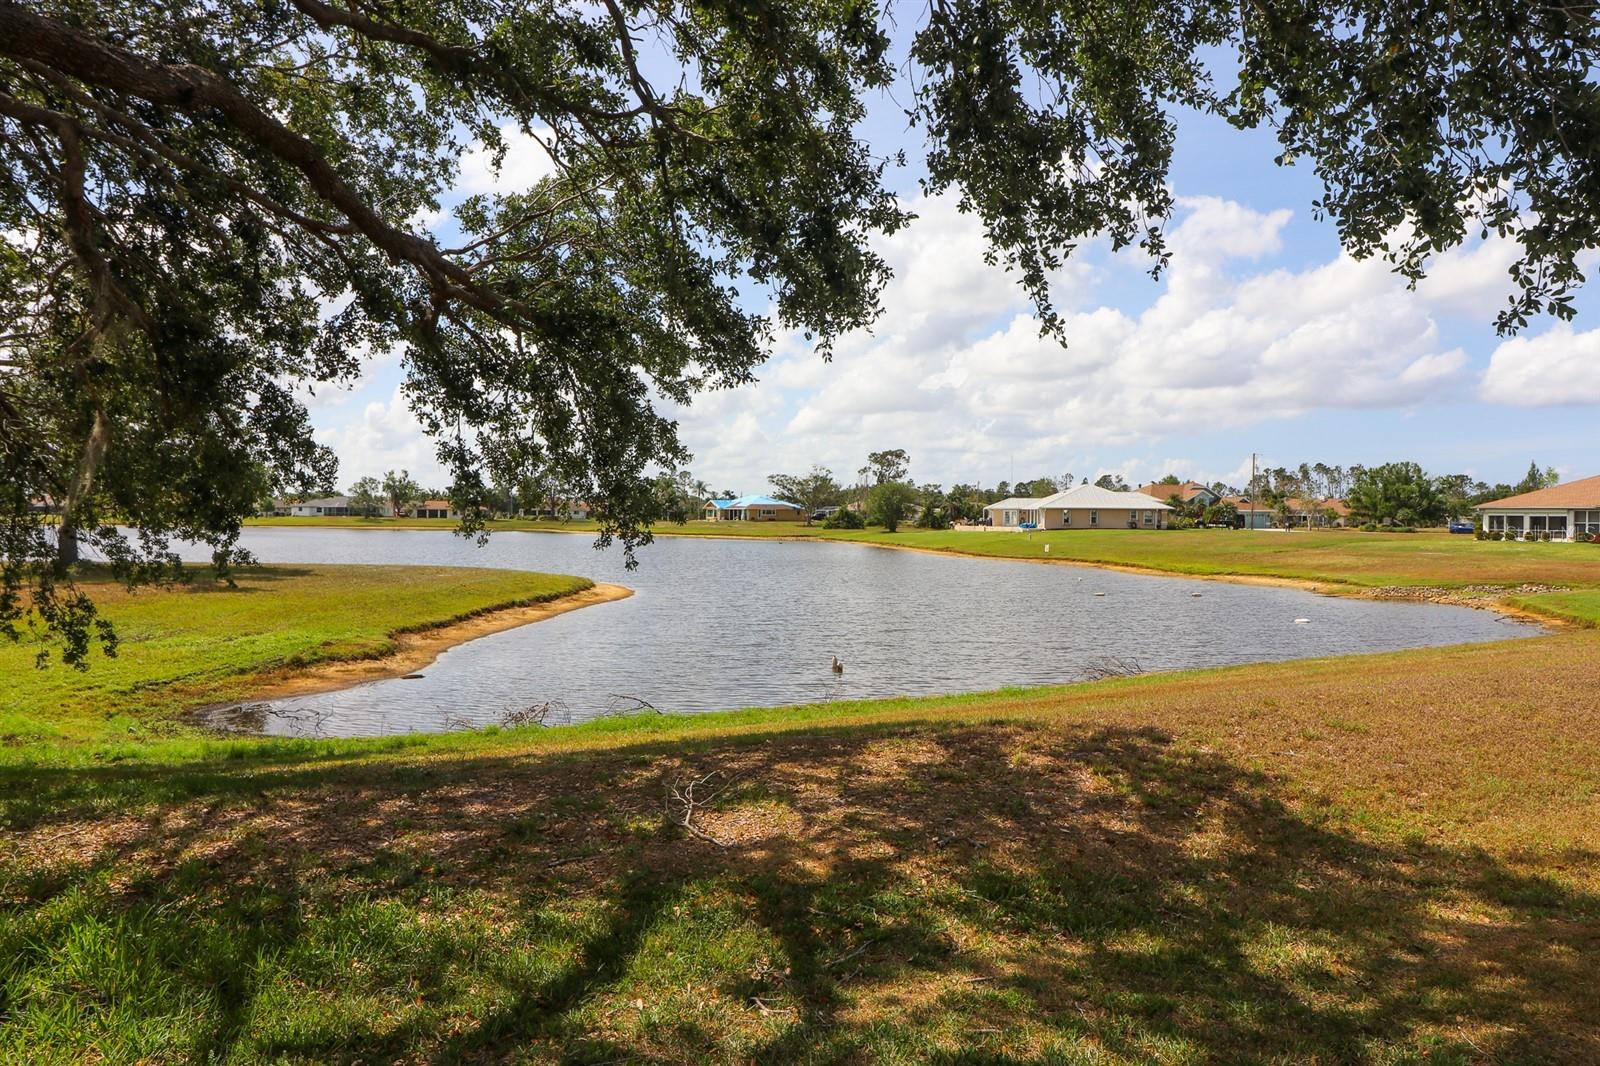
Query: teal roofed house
753, 509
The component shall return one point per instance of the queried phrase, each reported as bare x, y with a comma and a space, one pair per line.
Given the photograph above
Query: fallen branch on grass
687, 800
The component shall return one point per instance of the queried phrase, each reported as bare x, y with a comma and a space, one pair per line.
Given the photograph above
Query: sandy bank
417, 651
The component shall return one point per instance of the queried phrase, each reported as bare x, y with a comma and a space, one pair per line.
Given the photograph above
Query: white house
1564, 512
1080, 507
328, 506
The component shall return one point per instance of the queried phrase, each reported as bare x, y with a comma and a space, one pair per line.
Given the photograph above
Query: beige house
1080, 507
1565, 512
434, 509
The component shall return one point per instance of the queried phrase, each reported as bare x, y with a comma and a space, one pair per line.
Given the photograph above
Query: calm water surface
715, 624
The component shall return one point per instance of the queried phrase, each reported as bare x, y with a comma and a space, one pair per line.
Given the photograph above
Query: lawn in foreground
204, 641
1389, 859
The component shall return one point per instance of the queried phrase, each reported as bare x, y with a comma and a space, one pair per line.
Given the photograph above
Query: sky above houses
1261, 336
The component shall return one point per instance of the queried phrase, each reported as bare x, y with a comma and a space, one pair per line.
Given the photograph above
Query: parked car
1461, 526
822, 514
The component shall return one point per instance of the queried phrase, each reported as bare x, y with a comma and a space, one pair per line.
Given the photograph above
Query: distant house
327, 507
1262, 514
1561, 513
1188, 492
434, 509
1252, 514
753, 509
1080, 507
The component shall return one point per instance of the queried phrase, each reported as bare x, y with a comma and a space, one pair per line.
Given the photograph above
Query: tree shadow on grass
976, 894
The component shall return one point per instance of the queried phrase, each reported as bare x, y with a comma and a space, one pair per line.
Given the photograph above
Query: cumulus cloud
1555, 368
386, 436
958, 372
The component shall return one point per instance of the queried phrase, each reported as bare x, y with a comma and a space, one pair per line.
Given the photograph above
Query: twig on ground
847, 956
688, 799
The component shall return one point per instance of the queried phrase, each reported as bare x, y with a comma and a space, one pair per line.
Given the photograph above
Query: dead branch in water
687, 799
1111, 666
616, 709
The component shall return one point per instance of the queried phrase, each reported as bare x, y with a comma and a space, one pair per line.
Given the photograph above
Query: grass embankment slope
204, 642
1388, 859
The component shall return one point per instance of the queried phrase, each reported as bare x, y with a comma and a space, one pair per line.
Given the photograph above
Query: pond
716, 624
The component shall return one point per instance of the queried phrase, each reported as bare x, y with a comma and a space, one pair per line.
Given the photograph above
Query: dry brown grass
1385, 858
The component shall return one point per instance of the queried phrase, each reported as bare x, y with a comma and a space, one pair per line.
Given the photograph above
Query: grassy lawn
1391, 860
205, 642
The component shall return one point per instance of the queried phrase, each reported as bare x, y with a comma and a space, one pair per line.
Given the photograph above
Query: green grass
206, 642
1390, 859
1279, 863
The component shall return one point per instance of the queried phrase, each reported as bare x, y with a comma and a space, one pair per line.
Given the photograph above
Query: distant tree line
884, 494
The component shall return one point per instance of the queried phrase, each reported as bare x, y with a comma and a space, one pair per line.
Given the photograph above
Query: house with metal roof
753, 509
1080, 507
1564, 512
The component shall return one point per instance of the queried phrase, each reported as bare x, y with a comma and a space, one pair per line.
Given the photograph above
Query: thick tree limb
188, 88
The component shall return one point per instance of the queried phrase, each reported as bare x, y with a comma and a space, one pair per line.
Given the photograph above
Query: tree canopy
207, 210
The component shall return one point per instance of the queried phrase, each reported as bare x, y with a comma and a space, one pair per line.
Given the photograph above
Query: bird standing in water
838, 667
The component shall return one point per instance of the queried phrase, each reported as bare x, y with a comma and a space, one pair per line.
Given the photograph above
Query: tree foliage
367, 497
890, 504
206, 209
812, 491
1397, 494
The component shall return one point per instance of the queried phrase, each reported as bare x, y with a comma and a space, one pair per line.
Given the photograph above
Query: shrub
1370, 527
844, 518
1180, 522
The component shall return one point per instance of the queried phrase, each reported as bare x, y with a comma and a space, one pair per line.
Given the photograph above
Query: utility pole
1253, 490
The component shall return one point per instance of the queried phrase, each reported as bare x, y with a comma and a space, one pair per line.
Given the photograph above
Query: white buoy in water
1099, 593
1302, 621
1196, 595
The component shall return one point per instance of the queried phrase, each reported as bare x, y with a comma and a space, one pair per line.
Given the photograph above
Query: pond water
716, 624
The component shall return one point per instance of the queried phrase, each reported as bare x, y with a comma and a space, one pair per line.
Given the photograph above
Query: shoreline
414, 652
1439, 595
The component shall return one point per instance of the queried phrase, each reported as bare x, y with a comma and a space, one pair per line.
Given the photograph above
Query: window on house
768, 512
1536, 523
1066, 518
1149, 518
1094, 518
1513, 523
1558, 524
1497, 523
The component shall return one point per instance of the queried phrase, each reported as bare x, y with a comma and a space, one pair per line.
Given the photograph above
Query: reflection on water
715, 624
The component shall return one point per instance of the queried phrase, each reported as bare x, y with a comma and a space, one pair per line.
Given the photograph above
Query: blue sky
1261, 338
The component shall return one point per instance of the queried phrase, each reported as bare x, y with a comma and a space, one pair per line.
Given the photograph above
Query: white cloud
1557, 367
526, 163
958, 373
386, 436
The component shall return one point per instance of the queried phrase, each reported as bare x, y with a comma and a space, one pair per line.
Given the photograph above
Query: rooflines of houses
1186, 491
1092, 496
1582, 494
751, 501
